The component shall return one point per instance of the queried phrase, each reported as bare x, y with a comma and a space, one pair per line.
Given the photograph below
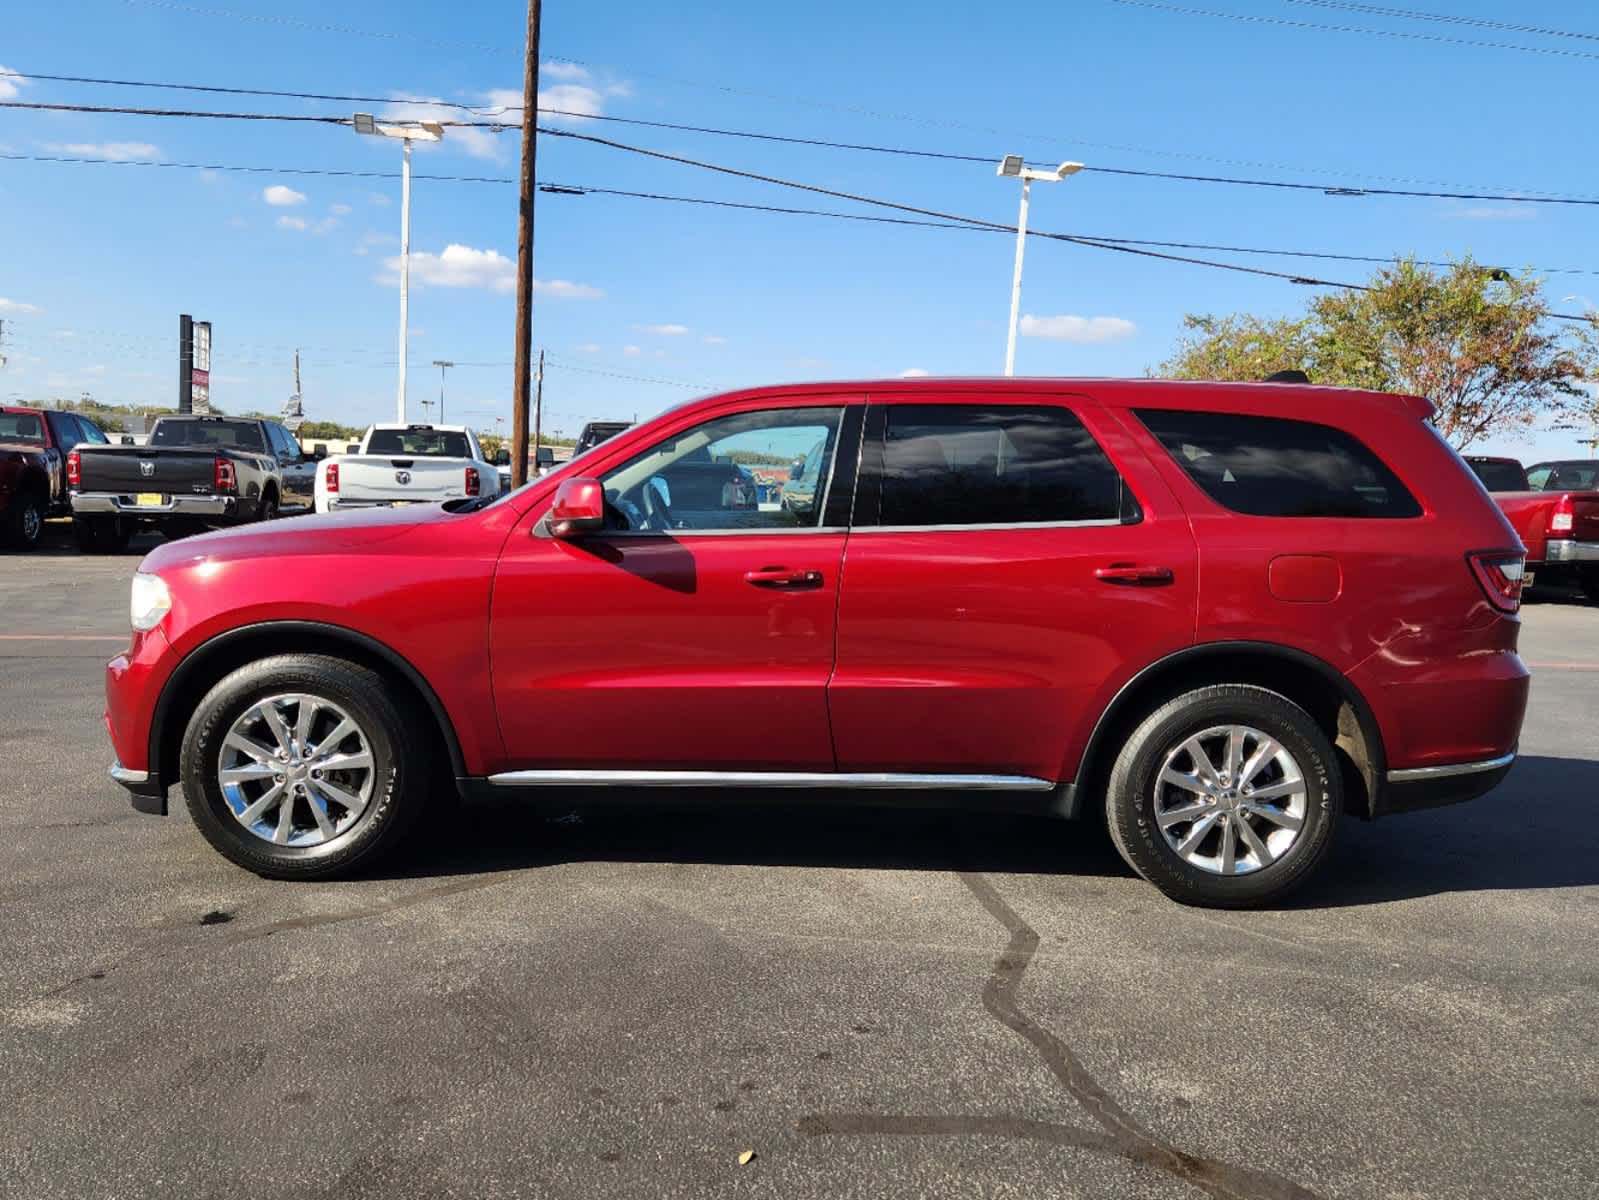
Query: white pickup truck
406, 464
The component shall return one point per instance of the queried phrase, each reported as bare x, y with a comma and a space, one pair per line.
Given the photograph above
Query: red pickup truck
1554, 507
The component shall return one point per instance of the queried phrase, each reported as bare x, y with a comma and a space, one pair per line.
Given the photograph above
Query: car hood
321, 534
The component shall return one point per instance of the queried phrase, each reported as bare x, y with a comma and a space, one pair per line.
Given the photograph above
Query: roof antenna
1291, 376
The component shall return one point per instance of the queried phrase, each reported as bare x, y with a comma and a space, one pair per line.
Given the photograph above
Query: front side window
186, 431
753, 471
956, 464
1272, 467
91, 432
419, 443
1538, 478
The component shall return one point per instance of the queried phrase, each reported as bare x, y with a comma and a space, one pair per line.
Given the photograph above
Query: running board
874, 781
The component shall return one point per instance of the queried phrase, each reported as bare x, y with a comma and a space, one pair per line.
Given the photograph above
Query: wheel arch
1311, 682
208, 663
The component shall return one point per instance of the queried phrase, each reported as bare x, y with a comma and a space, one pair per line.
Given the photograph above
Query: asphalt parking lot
877, 1005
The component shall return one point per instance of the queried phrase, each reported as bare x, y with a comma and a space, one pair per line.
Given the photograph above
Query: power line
217, 89
1436, 38
1446, 18
582, 189
171, 112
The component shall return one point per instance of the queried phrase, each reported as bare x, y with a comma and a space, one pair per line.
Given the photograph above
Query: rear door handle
783, 578
1133, 575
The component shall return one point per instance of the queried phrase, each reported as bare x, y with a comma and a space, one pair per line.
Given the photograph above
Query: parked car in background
407, 464
195, 472
1554, 508
1024, 622
1498, 474
34, 444
596, 432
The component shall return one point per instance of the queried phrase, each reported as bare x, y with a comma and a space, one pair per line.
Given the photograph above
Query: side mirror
307, 456
127, 440
502, 457
579, 508
319, 451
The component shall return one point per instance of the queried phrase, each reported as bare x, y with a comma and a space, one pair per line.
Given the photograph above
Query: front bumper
1452, 783
1568, 550
146, 794
107, 503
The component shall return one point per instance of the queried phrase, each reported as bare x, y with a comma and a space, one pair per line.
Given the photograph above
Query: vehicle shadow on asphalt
505, 836
1535, 830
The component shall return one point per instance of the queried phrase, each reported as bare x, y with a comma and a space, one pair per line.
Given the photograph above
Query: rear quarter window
1274, 467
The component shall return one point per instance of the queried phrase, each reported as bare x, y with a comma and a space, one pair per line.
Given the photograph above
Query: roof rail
1289, 376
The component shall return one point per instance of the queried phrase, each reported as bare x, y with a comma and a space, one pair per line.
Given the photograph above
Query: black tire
102, 535
25, 520
1590, 583
1130, 798
267, 509
393, 731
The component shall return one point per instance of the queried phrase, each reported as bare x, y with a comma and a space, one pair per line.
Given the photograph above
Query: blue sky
96, 262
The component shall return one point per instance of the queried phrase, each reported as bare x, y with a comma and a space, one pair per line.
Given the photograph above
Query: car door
1004, 575
695, 633
299, 477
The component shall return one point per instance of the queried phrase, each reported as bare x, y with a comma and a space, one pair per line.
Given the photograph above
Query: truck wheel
267, 510
102, 535
1225, 797
25, 520
304, 766
1590, 584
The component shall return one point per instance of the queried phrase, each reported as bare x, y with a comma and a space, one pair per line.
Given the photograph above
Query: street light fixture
418, 131
442, 364
1014, 166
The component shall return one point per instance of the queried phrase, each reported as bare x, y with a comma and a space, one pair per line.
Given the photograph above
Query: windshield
419, 443
193, 431
21, 427
1498, 475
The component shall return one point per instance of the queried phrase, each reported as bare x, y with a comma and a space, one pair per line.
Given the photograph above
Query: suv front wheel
1225, 797
302, 766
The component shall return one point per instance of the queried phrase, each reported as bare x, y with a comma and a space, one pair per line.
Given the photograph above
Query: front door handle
1133, 575
783, 578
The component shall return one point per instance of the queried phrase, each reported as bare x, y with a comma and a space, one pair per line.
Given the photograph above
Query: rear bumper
1450, 783
1568, 550
110, 504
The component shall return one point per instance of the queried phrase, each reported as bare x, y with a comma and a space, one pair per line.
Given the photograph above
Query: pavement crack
1121, 1134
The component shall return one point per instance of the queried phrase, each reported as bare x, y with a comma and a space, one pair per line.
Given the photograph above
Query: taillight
1561, 518
74, 469
223, 477
332, 478
472, 484
1500, 576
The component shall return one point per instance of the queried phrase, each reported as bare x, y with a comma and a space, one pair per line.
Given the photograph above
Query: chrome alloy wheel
32, 524
1230, 800
296, 770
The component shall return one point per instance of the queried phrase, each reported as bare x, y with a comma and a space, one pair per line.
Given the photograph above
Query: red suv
1221, 615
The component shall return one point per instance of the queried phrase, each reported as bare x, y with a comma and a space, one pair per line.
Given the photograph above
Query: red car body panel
1531, 514
992, 650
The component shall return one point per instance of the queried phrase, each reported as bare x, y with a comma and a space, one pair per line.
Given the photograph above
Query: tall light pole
1013, 166
420, 131
442, 364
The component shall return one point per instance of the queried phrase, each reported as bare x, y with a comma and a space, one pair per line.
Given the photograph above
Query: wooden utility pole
538, 411
524, 249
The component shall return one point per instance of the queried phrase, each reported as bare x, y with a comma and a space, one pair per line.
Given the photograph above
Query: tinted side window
979, 465
91, 432
1270, 467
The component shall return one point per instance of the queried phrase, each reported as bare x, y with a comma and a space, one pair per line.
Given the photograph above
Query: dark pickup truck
34, 443
197, 472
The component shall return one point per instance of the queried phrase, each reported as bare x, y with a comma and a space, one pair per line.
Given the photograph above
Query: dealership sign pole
194, 365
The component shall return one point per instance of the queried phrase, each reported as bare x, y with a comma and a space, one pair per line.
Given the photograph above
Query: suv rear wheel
1225, 797
303, 766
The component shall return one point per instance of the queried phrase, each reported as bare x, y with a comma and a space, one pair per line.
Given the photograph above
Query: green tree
1475, 341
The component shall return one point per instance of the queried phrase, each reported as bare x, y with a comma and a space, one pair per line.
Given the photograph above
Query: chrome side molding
123, 775
1412, 774
770, 779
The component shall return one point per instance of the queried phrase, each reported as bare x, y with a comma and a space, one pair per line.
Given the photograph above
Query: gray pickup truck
196, 472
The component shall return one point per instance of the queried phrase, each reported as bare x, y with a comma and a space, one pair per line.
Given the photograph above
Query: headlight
150, 601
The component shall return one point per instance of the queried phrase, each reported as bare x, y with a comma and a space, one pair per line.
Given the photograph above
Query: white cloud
711, 339
631, 351
340, 210
465, 267
1078, 329
298, 224
16, 306
11, 83
555, 69
379, 199
115, 151
588, 348
663, 330
279, 196
914, 373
